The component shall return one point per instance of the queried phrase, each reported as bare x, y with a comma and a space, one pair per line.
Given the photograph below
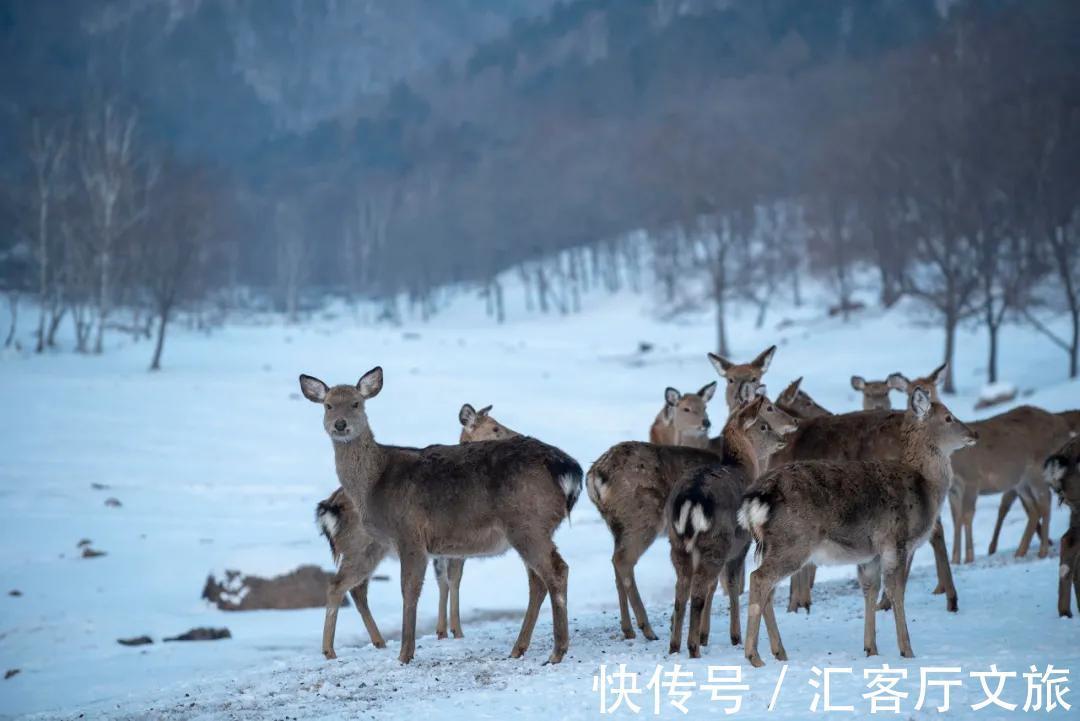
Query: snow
219, 463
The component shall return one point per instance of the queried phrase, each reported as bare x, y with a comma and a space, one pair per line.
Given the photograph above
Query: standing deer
476, 499
1062, 473
863, 436
875, 393
798, 403
683, 421
1008, 460
630, 485
357, 554
739, 373
705, 538
871, 513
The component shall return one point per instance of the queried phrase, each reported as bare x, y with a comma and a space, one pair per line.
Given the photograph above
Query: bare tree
47, 147
116, 178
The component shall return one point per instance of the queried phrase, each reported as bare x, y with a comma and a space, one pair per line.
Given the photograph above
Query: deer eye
753, 380
686, 410
769, 409
496, 429
764, 427
948, 419
329, 407
356, 404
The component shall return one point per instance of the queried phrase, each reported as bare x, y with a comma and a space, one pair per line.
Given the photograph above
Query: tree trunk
992, 362
54, 325
500, 308
13, 301
43, 271
163, 319
1074, 346
720, 293
950, 346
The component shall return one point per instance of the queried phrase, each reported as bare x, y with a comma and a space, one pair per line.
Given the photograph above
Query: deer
629, 484
474, 499
1062, 473
1008, 460
870, 513
863, 435
706, 541
798, 403
356, 553
740, 373
875, 394
684, 420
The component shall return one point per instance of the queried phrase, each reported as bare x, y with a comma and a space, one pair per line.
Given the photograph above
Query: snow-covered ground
218, 463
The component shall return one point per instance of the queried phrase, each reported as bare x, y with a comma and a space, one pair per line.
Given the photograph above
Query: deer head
343, 406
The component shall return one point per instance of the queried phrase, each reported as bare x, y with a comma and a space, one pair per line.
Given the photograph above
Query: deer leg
799, 589
734, 572
1065, 576
944, 571
1046, 506
413, 564
706, 619
870, 582
457, 569
701, 588
537, 591
1029, 530
683, 577
1007, 499
439, 564
541, 556
895, 581
775, 565
956, 502
971, 497
359, 596
335, 594
625, 558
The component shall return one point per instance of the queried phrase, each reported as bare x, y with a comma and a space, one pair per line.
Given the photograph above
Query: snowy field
218, 463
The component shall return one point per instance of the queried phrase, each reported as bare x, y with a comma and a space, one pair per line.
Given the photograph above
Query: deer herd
803, 485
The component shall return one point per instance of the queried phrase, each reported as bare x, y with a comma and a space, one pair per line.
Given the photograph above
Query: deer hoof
755, 661
695, 651
736, 639
673, 648
952, 605
628, 634
780, 654
329, 653
1066, 613
518, 651
440, 635
649, 634
555, 657
871, 651
405, 656
938, 590
379, 644
704, 639
458, 635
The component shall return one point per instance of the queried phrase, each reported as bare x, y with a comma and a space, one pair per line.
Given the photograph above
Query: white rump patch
328, 522
1054, 472
698, 520
594, 487
1064, 570
753, 514
680, 520
569, 485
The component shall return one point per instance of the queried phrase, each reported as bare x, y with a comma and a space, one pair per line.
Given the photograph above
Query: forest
199, 159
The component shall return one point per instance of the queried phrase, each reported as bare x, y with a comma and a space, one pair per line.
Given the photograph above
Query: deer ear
484, 411
671, 396
763, 360
745, 393
939, 374
762, 391
370, 383
858, 383
707, 391
920, 403
467, 415
748, 415
720, 364
313, 388
789, 394
898, 382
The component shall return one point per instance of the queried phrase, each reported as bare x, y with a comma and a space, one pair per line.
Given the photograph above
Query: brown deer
356, 554
798, 403
740, 373
875, 394
683, 421
871, 513
1008, 460
780, 420
705, 538
630, 484
858, 436
1062, 473
476, 499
